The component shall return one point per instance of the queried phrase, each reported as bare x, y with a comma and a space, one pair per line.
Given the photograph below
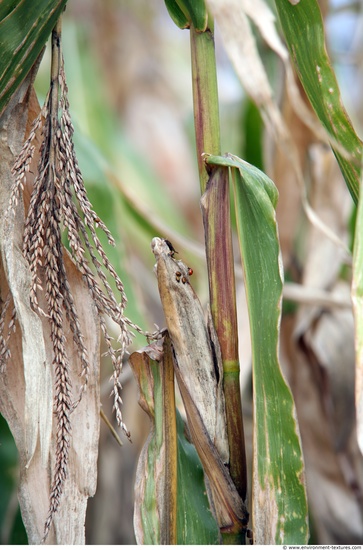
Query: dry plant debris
59, 205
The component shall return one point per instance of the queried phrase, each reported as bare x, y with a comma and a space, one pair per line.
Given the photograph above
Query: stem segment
205, 98
169, 529
215, 205
218, 239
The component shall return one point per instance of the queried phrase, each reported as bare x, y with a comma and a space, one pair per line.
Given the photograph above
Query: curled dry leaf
242, 50
59, 204
198, 360
233, 21
200, 379
152, 464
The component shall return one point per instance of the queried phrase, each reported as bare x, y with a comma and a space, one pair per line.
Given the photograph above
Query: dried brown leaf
26, 396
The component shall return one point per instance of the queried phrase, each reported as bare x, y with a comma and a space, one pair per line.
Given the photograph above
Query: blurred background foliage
128, 73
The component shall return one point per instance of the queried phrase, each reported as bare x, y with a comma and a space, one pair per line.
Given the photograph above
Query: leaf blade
280, 508
25, 27
357, 299
303, 28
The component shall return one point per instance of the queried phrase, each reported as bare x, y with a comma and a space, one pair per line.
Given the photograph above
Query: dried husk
199, 374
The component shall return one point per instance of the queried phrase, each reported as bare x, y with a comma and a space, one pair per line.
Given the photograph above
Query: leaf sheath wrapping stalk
232, 516
279, 497
215, 205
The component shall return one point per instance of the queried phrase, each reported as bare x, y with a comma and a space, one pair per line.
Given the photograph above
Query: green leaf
184, 12
304, 32
195, 523
197, 11
25, 26
177, 15
9, 523
280, 507
253, 134
357, 298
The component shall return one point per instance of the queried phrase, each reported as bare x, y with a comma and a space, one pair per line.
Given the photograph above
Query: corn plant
61, 286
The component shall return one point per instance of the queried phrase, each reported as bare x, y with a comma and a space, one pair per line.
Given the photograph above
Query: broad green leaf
195, 523
280, 507
25, 26
304, 32
253, 134
357, 298
197, 11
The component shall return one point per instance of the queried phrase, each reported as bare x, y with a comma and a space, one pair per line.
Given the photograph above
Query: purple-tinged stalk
217, 227
218, 239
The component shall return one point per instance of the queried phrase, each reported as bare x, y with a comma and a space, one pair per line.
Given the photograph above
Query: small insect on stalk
192, 342
171, 248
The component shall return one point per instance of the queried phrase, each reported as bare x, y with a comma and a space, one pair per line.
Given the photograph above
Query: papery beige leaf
233, 17
322, 371
331, 201
199, 375
319, 357
264, 19
328, 341
35, 480
38, 395
201, 371
26, 391
239, 41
